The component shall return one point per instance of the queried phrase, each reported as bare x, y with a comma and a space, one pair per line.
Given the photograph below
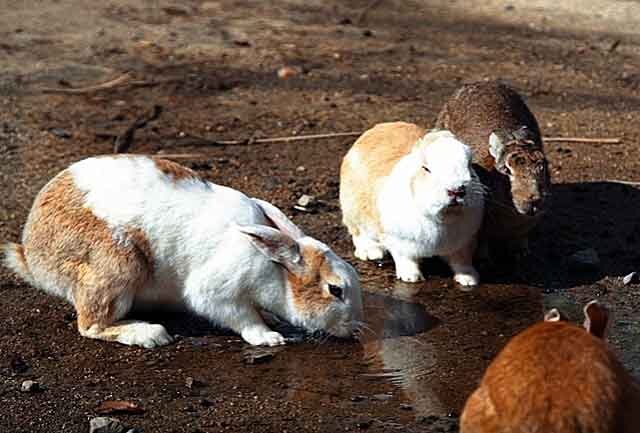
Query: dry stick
78, 90
622, 182
124, 141
583, 140
289, 138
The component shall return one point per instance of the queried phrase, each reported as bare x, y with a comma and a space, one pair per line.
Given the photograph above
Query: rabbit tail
14, 259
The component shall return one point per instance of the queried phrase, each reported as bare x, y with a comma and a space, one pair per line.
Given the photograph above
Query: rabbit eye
426, 169
336, 291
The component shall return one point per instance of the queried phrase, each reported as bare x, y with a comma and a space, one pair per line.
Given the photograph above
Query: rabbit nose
457, 192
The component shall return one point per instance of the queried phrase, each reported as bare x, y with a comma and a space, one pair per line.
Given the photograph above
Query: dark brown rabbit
556, 377
509, 158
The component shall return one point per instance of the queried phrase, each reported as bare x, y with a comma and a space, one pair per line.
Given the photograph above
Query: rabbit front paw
467, 279
408, 270
143, 334
262, 337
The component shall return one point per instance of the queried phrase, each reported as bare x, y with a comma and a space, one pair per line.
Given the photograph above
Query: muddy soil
212, 67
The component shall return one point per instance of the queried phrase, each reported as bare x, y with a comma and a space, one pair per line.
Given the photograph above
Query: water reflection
435, 344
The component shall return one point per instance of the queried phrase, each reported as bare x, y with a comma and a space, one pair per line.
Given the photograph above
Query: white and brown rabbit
116, 232
414, 194
556, 377
509, 158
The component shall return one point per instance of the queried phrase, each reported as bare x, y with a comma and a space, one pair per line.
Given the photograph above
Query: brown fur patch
174, 170
553, 377
68, 245
472, 113
370, 160
308, 291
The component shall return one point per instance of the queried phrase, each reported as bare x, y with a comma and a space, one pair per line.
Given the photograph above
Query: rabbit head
323, 291
444, 182
519, 158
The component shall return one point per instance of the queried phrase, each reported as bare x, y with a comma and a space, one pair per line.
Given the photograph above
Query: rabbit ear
275, 245
596, 319
552, 315
496, 145
279, 219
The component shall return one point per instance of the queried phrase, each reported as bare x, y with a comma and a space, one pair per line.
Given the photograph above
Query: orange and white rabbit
414, 194
117, 232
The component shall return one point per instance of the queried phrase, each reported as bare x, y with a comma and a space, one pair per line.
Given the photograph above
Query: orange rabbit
556, 377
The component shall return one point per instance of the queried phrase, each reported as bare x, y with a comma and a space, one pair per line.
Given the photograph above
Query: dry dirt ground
212, 67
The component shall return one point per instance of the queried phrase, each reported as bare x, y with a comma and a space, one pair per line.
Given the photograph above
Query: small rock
632, 278
357, 398
405, 406
509, 8
367, 33
30, 386
287, 72
306, 201
105, 424
60, 133
301, 168
382, 397
585, 259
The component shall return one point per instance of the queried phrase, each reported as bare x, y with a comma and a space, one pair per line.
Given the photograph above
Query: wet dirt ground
212, 67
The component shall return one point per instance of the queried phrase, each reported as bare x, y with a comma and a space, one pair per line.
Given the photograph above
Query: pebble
287, 72
306, 200
105, 424
30, 386
632, 278
60, 133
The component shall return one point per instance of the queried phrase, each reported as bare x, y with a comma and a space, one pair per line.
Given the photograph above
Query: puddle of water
425, 347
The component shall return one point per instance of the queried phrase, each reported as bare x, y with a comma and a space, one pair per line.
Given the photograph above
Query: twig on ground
124, 141
78, 90
363, 13
191, 140
205, 141
583, 140
622, 182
